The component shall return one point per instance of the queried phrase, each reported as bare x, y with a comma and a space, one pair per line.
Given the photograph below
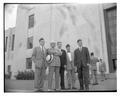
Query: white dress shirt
42, 48
69, 55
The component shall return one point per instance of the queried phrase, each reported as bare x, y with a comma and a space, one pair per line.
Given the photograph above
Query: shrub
8, 76
25, 75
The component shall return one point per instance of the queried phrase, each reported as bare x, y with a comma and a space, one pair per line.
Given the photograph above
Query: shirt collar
41, 47
80, 47
60, 49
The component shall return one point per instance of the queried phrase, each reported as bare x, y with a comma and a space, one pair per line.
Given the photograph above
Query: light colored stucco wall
20, 41
80, 21
9, 54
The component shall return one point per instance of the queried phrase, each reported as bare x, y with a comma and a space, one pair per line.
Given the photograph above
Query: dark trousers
83, 76
62, 69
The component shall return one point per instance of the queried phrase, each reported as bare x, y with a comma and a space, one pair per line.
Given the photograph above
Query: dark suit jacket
81, 58
63, 58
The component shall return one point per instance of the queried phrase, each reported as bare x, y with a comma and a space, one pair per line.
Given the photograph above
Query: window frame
9, 68
13, 41
6, 43
31, 22
27, 63
28, 41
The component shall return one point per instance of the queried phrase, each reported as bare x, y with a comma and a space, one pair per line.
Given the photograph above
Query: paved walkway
28, 85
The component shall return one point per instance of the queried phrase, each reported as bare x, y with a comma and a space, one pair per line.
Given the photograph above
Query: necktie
43, 55
42, 51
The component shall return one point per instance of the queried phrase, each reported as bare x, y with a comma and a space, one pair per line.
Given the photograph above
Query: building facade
95, 24
9, 49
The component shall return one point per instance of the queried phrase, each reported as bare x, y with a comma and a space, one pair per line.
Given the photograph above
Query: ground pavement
28, 85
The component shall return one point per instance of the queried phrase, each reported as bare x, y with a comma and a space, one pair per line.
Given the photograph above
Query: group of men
77, 61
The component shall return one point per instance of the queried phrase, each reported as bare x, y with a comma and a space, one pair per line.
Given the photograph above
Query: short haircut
41, 39
67, 45
79, 40
92, 54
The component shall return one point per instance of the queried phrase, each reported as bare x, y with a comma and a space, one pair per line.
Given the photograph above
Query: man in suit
82, 61
62, 65
54, 66
70, 68
38, 57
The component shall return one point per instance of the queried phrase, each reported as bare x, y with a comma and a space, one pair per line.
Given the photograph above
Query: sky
10, 15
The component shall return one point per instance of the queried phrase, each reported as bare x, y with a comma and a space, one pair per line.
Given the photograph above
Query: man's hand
88, 64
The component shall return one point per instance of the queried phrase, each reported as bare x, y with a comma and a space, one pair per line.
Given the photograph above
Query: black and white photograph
60, 47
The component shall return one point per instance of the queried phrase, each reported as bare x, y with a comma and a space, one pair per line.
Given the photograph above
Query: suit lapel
39, 49
72, 55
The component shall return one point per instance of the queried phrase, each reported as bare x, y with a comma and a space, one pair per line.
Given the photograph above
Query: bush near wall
25, 75
8, 76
